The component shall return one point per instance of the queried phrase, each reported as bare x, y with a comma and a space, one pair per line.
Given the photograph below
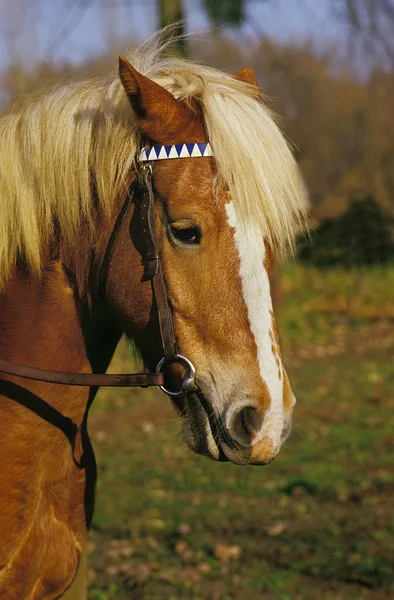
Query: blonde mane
55, 147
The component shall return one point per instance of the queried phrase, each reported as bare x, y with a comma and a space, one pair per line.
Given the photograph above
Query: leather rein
153, 271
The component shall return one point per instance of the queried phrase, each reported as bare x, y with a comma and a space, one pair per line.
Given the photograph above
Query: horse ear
247, 75
158, 114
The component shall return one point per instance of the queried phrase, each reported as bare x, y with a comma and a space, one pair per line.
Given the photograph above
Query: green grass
316, 523
315, 300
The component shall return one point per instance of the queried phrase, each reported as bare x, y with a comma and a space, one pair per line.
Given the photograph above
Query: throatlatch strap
153, 265
102, 282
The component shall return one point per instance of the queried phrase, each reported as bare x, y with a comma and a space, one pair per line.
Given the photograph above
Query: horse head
216, 257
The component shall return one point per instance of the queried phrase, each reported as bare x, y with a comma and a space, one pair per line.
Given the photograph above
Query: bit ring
188, 383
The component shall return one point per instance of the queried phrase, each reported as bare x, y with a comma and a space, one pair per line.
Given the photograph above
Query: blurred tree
370, 22
172, 11
227, 12
362, 236
16, 16
77, 8
110, 23
371, 25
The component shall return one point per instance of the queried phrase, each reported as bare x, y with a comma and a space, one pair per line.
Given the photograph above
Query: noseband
153, 271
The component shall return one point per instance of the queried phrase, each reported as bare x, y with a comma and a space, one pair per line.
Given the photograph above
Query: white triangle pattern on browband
194, 150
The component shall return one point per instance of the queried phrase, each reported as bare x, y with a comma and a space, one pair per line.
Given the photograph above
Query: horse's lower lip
204, 438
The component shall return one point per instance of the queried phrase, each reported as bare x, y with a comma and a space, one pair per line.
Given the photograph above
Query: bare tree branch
76, 12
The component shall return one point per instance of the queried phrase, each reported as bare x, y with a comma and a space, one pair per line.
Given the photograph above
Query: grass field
317, 523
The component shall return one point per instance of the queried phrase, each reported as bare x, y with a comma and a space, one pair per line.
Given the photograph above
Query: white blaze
257, 296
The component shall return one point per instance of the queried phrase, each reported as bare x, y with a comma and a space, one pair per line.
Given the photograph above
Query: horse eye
186, 235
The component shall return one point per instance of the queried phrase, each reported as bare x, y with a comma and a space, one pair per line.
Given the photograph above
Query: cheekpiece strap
194, 150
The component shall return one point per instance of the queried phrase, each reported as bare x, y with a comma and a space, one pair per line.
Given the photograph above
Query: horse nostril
245, 425
251, 420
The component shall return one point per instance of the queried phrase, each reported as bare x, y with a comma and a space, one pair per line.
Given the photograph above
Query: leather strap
112, 242
83, 379
153, 264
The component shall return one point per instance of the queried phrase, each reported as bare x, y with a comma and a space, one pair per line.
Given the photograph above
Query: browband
194, 150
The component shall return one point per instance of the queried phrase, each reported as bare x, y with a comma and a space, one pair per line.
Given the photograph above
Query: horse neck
46, 324
49, 479
55, 322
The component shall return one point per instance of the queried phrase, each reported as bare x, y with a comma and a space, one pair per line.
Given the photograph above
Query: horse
76, 163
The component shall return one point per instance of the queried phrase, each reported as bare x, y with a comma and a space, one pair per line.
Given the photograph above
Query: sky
72, 30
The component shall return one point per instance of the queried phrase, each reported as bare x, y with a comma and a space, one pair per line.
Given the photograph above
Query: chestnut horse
68, 159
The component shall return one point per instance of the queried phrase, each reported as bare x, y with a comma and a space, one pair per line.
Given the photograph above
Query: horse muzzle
241, 434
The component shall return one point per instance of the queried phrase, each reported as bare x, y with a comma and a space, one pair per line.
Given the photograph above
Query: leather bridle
153, 271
